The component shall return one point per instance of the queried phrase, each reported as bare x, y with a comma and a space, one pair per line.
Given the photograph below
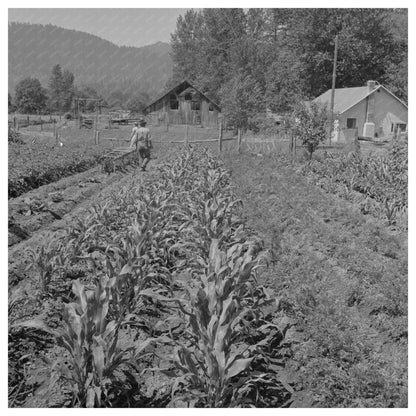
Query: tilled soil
338, 275
342, 276
50, 208
75, 197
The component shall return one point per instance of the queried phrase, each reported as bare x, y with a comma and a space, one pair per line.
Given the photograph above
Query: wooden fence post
167, 122
28, 121
220, 133
239, 140
17, 124
94, 129
41, 124
97, 137
14, 122
54, 131
186, 135
56, 134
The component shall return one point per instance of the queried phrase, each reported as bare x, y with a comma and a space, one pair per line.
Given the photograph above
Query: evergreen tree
68, 89
61, 89
56, 89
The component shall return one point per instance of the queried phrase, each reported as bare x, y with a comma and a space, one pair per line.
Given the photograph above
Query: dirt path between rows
341, 276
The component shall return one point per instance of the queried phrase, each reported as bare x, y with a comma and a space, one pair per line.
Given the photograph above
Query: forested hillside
34, 49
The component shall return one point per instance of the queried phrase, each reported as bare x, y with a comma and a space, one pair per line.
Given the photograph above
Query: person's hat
136, 123
142, 122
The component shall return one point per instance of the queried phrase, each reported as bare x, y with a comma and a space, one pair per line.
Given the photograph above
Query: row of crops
378, 184
152, 300
35, 164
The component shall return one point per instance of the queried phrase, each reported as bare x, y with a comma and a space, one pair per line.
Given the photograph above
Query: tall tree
366, 45
68, 89
30, 96
61, 89
56, 89
186, 47
287, 54
241, 100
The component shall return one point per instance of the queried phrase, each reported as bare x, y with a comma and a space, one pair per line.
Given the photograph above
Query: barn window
195, 105
211, 107
188, 96
351, 123
174, 103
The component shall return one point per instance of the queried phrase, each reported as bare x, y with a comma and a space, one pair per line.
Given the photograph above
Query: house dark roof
345, 98
179, 89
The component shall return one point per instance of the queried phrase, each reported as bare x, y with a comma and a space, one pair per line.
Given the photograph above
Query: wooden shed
184, 104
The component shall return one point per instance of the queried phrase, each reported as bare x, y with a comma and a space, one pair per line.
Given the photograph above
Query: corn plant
390, 210
97, 365
384, 178
49, 260
207, 366
91, 341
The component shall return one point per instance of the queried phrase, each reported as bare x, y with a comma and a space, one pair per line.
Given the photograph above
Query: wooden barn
371, 111
184, 104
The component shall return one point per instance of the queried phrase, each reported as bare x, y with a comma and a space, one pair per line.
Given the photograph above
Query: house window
211, 107
195, 105
174, 103
188, 96
351, 123
402, 127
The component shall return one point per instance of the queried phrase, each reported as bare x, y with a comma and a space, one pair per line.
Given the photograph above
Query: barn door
187, 112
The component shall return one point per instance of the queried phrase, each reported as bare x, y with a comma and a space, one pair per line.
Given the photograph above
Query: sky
124, 27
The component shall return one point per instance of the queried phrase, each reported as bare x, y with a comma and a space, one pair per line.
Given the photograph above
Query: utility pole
334, 74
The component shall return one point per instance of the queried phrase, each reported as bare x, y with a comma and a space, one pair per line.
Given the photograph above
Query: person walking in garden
140, 137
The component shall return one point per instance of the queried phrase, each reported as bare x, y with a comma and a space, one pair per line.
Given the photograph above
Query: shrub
311, 125
14, 136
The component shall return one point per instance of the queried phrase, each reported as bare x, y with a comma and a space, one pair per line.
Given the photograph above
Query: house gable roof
179, 89
345, 98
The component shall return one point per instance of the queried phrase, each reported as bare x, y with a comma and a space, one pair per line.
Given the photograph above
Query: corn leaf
238, 366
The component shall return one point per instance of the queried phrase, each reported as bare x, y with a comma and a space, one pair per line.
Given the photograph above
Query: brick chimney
371, 85
369, 126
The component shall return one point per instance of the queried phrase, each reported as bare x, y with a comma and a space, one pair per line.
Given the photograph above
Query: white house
371, 111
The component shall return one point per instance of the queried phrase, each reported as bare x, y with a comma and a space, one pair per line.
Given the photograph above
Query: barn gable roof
346, 98
179, 89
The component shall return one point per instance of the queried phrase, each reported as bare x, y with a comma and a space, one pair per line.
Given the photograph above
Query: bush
14, 136
311, 125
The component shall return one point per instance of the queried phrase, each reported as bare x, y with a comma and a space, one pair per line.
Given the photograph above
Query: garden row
35, 164
377, 183
341, 276
164, 299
